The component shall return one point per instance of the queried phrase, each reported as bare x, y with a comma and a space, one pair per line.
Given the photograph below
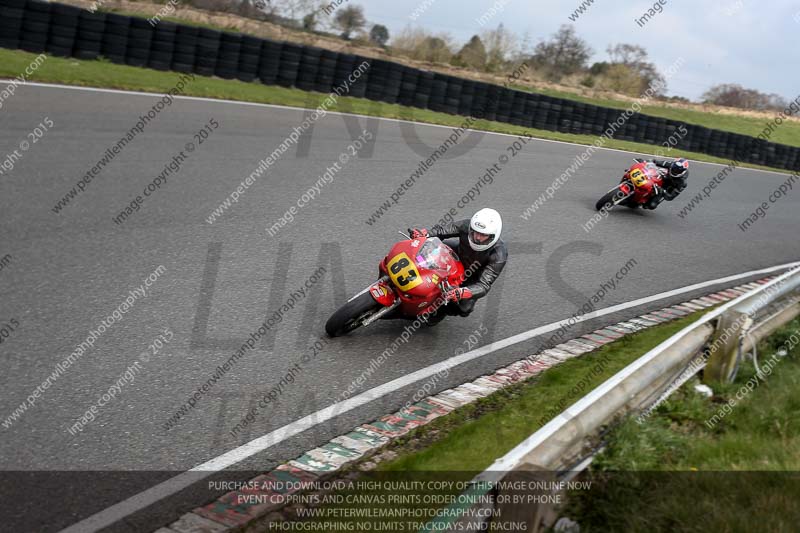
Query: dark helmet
679, 168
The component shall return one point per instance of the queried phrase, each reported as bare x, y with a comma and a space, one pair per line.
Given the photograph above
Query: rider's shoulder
500, 251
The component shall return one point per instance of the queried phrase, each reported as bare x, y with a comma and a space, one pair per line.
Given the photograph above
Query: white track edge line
169, 487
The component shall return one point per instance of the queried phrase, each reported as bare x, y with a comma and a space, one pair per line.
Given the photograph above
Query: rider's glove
416, 233
457, 294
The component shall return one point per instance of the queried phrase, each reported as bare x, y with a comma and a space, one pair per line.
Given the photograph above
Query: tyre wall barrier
68, 31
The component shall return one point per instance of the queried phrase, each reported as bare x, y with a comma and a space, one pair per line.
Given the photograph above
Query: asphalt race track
72, 269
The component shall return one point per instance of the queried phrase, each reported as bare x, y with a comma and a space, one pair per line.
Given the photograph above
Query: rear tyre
350, 316
607, 200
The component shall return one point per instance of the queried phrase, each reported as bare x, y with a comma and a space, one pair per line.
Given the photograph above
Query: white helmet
484, 229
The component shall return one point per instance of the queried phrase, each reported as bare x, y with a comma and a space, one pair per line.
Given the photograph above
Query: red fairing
644, 177
415, 269
383, 292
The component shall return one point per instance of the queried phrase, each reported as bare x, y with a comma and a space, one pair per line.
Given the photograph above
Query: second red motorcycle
635, 189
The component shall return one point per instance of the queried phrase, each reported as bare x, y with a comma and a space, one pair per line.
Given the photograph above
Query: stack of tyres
794, 158
270, 63
504, 104
651, 130
697, 139
661, 129
542, 111
518, 115
345, 63
364, 66
769, 156
289, 65
35, 26
531, 109
721, 149
115, 38
738, 145
184, 52
63, 30
565, 118
424, 88
492, 100
207, 51
646, 129
394, 79
554, 114
11, 14
575, 116
378, 79
230, 47
162, 51
781, 153
249, 58
91, 27
408, 87
467, 98
584, 117
438, 92
326, 71
479, 95
606, 116
309, 64
597, 120
455, 86
140, 37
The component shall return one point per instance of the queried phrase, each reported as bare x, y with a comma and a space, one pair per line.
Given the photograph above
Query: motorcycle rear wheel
351, 315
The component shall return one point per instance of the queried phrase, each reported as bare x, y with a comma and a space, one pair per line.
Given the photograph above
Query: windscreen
435, 255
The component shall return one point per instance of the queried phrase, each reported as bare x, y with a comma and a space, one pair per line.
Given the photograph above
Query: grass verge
472, 437
100, 73
457, 446
728, 463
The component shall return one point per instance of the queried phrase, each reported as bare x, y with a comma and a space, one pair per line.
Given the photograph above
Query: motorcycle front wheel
351, 315
607, 200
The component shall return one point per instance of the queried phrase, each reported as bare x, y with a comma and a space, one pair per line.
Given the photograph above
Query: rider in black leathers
675, 180
480, 250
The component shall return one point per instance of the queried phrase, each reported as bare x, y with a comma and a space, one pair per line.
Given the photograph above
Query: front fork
382, 292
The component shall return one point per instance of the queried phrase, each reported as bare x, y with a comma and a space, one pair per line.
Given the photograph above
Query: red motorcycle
637, 186
413, 277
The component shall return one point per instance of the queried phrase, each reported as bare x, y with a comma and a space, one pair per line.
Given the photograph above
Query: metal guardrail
727, 332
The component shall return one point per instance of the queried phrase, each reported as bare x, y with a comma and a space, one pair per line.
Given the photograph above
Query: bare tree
564, 54
500, 44
350, 19
734, 95
417, 43
634, 57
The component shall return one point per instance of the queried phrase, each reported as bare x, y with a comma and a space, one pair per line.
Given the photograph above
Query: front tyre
608, 200
351, 315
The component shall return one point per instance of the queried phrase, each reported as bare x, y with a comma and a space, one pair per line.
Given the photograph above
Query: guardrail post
724, 350
521, 502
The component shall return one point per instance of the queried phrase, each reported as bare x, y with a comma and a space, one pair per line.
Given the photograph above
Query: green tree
310, 22
473, 54
379, 34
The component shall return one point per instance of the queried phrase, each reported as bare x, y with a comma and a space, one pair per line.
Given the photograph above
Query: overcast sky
753, 43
